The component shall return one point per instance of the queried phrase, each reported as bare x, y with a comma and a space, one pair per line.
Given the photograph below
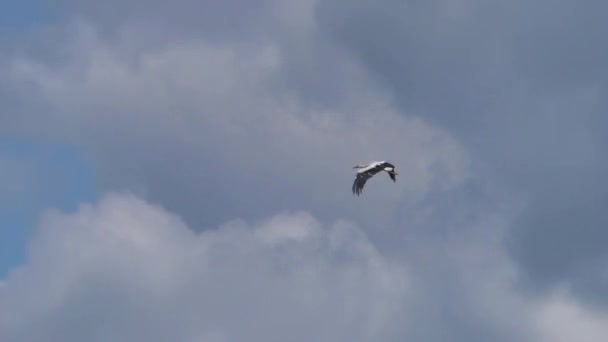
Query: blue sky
19, 16
36, 178
47, 176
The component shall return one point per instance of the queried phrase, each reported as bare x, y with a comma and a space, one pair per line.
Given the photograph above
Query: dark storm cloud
523, 85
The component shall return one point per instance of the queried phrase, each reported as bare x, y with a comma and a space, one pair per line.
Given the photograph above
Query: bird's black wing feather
359, 182
362, 177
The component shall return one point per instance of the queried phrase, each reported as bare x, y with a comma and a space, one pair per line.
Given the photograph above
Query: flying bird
367, 171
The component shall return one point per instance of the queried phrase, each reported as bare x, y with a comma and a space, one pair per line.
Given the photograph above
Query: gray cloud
218, 121
521, 85
205, 126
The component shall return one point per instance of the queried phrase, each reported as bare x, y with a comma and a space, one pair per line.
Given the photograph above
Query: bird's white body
363, 168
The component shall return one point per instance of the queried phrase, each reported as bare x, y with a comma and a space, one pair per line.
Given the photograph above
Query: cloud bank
197, 117
127, 270
253, 113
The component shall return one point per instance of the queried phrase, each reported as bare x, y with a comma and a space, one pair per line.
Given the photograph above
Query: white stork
367, 171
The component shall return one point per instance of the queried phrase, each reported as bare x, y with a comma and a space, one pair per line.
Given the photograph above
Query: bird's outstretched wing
364, 174
359, 182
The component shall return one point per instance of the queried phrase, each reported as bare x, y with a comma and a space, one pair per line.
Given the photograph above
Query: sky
22, 16
182, 171
34, 178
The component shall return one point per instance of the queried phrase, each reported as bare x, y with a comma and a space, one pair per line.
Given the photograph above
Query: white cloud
561, 319
126, 270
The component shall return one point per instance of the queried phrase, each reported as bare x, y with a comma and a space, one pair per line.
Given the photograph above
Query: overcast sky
182, 171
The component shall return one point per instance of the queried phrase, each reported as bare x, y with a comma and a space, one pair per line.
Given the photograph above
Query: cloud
561, 318
201, 125
517, 85
32, 178
491, 111
125, 269
128, 270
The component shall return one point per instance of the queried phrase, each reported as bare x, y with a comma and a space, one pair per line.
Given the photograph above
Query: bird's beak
395, 173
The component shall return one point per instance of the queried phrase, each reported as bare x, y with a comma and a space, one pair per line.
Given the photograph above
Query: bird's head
391, 170
393, 173
359, 166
